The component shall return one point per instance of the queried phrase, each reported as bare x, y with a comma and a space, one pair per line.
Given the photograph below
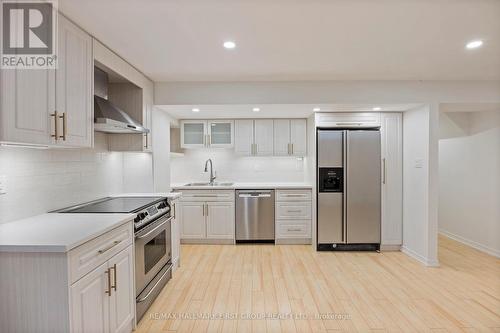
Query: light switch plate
419, 163
3, 185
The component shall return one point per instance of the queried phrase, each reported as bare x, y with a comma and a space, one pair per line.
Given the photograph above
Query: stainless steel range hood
108, 117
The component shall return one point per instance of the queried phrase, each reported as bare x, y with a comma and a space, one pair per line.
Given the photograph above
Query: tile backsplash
233, 167
37, 181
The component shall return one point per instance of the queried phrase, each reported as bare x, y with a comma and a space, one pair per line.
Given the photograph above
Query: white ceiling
181, 40
272, 110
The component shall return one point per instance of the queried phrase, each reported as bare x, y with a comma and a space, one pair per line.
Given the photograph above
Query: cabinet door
243, 136
27, 102
122, 300
74, 85
175, 236
264, 137
392, 179
220, 220
220, 133
90, 302
193, 134
193, 220
282, 137
298, 136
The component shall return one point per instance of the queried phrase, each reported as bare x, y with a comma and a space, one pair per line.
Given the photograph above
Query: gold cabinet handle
292, 148
207, 209
146, 145
56, 133
109, 282
114, 276
65, 125
115, 243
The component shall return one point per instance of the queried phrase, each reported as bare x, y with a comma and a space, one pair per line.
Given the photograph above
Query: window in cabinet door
221, 134
194, 134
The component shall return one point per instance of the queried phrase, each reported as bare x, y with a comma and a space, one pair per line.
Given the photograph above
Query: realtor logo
28, 34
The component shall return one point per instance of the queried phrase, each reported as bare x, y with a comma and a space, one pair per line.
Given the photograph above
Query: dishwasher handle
254, 195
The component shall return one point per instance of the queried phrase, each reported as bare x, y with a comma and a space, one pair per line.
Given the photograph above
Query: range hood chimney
108, 117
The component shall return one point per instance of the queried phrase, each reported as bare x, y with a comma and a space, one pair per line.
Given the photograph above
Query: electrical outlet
419, 163
3, 185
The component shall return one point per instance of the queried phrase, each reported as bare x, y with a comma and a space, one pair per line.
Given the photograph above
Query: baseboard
293, 241
389, 248
207, 241
471, 243
420, 258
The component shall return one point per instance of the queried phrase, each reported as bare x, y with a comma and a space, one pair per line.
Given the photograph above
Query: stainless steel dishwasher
255, 216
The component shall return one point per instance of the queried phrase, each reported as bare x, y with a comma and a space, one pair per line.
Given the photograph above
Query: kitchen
131, 199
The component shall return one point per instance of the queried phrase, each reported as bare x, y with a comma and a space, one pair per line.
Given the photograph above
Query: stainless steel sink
209, 185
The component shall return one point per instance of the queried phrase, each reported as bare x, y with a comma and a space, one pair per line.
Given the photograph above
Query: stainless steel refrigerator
348, 191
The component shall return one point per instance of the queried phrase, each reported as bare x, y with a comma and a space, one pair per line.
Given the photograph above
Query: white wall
418, 240
161, 148
42, 180
469, 179
233, 167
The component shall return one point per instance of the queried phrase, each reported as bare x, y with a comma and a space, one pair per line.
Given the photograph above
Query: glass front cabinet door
221, 133
207, 134
193, 134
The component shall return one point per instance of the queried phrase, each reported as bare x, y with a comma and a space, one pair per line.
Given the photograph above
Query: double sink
214, 184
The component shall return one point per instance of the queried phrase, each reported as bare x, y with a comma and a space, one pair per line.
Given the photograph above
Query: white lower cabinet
293, 212
193, 220
89, 288
220, 220
101, 301
90, 303
207, 216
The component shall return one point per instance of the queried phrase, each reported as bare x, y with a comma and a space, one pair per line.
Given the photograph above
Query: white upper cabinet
392, 178
74, 103
193, 133
207, 134
220, 133
281, 137
263, 137
27, 106
290, 137
30, 113
243, 139
348, 120
298, 137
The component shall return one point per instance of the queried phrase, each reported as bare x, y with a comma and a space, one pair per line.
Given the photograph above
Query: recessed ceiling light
229, 44
195, 110
255, 109
474, 44
316, 109
377, 108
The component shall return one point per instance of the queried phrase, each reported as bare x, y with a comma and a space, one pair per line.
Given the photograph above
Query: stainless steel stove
153, 260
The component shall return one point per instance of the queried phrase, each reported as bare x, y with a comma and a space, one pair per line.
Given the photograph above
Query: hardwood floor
360, 292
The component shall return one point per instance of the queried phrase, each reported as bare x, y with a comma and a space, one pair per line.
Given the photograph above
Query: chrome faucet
212, 177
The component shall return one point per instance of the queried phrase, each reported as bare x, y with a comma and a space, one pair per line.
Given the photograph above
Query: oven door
152, 251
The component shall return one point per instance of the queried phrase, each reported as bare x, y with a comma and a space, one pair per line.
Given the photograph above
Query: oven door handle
154, 229
142, 299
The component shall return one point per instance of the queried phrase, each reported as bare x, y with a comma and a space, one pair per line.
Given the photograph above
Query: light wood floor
367, 291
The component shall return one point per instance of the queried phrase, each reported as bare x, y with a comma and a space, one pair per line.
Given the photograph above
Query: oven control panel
151, 213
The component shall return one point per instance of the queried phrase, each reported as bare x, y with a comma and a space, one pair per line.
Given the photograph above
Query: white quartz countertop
55, 232
61, 232
169, 195
235, 186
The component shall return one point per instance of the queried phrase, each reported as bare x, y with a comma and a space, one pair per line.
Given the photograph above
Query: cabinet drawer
208, 195
293, 195
293, 230
90, 255
296, 210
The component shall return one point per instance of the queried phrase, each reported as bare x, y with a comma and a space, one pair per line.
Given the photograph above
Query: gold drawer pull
294, 229
109, 282
115, 243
